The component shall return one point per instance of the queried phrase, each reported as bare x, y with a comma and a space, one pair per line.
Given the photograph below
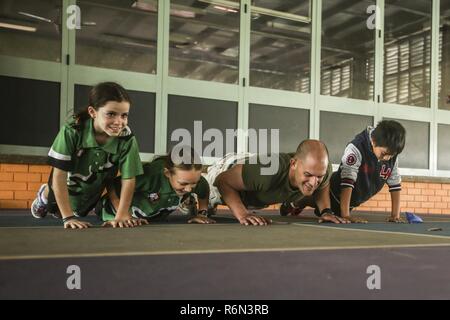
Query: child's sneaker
188, 205
39, 208
288, 209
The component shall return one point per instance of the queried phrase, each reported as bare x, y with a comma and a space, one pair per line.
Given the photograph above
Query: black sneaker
288, 209
188, 206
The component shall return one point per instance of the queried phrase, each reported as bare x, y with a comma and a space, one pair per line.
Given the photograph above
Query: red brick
446, 186
419, 185
434, 199
27, 177
435, 211
429, 205
435, 186
384, 204
45, 177
441, 192
407, 197
14, 168
39, 169
371, 203
6, 176
13, 186
6, 195
414, 191
441, 205
421, 198
428, 192
414, 204
24, 195
445, 199
13, 204
34, 186
407, 184
379, 197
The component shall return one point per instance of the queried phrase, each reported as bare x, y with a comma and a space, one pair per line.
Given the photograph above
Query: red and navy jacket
361, 170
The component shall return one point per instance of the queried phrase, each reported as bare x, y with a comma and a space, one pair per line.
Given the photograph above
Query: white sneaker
38, 208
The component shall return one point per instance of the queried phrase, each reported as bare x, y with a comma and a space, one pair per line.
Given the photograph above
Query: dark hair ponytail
99, 96
184, 158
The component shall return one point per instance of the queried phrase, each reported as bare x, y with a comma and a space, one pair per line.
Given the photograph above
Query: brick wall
20, 182
416, 197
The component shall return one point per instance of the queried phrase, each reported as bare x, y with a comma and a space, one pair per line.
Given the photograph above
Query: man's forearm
232, 199
323, 198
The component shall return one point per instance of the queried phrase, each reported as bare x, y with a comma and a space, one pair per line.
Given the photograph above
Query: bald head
309, 166
312, 149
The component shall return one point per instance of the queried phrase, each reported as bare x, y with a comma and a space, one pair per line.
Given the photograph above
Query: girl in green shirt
163, 188
87, 153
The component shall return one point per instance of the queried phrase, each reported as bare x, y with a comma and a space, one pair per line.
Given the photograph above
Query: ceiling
204, 36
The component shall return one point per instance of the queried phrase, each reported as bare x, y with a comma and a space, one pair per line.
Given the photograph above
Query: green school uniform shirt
90, 165
264, 190
154, 194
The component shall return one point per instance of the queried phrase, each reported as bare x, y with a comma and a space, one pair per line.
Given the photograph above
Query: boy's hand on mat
201, 219
251, 219
351, 219
396, 220
75, 224
328, 217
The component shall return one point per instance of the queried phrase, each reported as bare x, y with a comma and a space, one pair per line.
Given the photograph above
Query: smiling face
308, 174
111, 118
183, 181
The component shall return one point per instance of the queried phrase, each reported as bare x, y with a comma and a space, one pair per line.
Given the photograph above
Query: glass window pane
220, 115
444, 57
118, 34
204, 41
142, 115
280, 48
407, 52
444, 147
31, 29
338, 129
417, 147
32, 118
293, 124
348, 50
301, 8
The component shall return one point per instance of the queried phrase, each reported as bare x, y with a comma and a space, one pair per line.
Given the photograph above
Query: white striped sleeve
395, 180
350, 163
58, 156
